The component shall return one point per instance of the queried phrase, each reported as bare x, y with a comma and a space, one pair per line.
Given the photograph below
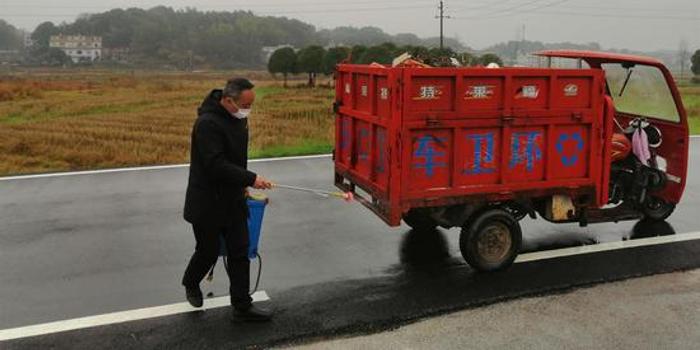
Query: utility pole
442, 17
683, 54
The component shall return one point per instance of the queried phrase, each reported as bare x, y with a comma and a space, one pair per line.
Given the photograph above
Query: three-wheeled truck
481, 148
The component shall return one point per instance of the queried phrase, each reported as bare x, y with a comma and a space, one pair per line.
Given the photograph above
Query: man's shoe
194, 296
252, 314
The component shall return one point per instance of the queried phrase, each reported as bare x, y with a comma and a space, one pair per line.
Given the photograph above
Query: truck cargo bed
428, 137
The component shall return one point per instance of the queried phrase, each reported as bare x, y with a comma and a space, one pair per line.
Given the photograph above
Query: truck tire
419, 220
657, 209
490, 241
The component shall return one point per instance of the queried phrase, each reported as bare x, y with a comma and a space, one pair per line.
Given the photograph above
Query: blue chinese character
528, 154
381, 145
481, 141
426, 150
362, 151
569, 160
345, 130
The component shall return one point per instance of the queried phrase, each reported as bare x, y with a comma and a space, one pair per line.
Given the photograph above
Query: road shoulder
660, 311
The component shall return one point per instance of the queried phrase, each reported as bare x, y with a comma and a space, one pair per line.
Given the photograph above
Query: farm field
75, 120
86, 120
691, 101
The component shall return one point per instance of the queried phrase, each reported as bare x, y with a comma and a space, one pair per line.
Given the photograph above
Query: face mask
242, 113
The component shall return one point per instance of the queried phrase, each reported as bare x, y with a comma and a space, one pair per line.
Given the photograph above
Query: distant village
79, 48
85, 49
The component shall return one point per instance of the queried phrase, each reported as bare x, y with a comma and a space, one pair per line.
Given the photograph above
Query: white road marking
145, 168
172, 309
603, 247
117, 317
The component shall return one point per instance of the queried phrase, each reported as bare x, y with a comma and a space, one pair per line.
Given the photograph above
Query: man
215, 203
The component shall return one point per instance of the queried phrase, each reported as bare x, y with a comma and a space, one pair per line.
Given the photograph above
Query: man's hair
235, 86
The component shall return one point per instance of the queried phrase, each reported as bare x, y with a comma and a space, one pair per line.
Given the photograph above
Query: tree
695, 67
418, 52
309, 60
488, 58
283, 61
391, 47
438, 57
379, 54
332, 57
164, 37
10, 37
42, 34
356, 53
55, 57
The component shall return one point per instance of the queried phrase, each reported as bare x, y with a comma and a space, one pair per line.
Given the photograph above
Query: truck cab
643, 94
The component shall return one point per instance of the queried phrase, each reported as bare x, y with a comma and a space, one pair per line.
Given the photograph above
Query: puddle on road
554, 237
430, 250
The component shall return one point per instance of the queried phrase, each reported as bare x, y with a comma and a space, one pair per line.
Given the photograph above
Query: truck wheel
657, 209
419, 220
491, 241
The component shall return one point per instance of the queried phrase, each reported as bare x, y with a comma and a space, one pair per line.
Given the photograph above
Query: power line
661, 17
523, 8
628, 9
479, 7
594, 15
342, 10
571, 8
511, 8
562, 10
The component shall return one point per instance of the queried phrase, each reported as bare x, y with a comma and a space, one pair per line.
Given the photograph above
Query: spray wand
346, 196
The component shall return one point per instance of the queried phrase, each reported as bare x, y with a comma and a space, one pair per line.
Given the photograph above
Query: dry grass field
54, 121
691, 101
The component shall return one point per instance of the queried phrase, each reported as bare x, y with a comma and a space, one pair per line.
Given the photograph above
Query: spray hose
347, 196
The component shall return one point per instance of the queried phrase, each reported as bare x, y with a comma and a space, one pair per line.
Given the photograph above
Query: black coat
218, 166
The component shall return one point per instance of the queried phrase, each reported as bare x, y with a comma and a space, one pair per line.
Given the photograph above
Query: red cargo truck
481, 148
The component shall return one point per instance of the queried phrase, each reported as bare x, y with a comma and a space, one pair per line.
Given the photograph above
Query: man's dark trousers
207, 251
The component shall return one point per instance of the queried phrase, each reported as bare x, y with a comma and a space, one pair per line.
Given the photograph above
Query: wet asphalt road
90, 244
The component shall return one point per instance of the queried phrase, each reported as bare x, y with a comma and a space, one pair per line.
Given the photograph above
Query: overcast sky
633, 24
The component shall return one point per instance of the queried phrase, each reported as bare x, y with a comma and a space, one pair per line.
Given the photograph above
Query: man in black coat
215, 203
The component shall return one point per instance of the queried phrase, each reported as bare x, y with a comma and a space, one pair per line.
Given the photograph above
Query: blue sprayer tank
256, 209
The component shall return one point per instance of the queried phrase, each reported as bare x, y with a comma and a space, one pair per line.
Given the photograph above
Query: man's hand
262, 183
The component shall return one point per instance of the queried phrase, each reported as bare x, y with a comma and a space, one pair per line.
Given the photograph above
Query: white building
79, 48
27, 38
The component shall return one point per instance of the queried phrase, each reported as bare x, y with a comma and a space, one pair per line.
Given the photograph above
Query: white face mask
242, 113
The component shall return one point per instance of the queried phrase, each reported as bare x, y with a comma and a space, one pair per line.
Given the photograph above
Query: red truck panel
413, 137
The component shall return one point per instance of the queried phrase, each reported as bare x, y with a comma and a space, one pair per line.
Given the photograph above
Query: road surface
91, 244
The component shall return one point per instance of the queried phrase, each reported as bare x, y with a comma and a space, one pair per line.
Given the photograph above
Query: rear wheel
419, 220
657, 209
491, 241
